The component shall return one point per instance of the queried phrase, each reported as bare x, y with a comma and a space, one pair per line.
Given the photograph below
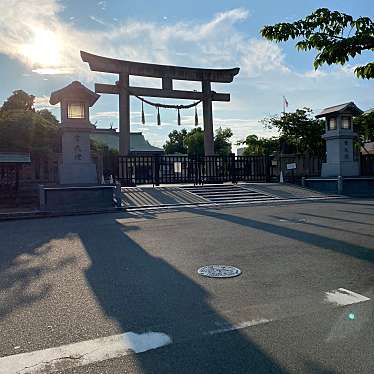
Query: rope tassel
158, 117
143, 116
196, 118
179, 117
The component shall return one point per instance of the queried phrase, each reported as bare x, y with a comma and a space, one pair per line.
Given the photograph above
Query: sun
44, 50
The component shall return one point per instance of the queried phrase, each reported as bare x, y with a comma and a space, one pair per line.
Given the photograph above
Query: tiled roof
351, 106
74, 90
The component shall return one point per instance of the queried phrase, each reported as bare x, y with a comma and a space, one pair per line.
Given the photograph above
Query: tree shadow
138, 291
355, 212
22, 267
319, 225
338, 219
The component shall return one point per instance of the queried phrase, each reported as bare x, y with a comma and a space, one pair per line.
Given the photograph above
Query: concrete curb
41, 214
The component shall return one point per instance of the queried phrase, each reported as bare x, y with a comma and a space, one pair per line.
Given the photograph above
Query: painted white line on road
342, 297
239, 326
82, 353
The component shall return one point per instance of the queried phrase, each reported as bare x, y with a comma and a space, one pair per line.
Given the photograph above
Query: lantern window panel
332, 123
346, 122
76, 110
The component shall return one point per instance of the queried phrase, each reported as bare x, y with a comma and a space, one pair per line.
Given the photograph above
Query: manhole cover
219, 271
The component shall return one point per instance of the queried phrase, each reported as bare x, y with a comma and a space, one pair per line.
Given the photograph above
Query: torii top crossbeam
167, 73
112, 65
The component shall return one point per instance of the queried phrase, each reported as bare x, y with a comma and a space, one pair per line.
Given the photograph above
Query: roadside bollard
340, 185
118, 194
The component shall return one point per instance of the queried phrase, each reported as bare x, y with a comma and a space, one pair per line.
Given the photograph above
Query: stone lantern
76, 166
341, 157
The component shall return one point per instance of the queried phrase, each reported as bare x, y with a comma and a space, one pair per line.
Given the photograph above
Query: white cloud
261, 56
42, 102
26, 23
102, 5
98, 20
216, 42
110, 114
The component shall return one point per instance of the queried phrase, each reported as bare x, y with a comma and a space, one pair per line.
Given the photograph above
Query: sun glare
44, 50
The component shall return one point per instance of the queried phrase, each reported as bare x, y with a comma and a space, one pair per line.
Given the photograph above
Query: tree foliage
19, 100
255, 146
22, 129
298, 130
364, 126
109, 157
195, 142
176, 142
336, 36
192, 142
222, 145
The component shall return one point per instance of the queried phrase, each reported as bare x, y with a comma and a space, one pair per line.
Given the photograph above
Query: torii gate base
167, 73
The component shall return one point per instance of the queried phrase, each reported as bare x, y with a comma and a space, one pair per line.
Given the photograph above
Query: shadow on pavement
324, 242
137, 290
145, 293
22, 265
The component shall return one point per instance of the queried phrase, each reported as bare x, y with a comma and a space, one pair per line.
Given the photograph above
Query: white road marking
82, 353
96, 350
341, 297
239, 326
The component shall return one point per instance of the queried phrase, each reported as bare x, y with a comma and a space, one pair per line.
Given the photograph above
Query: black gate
134, 170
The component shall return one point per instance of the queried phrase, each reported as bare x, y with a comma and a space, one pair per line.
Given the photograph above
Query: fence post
157, 171
232, 168
268, 166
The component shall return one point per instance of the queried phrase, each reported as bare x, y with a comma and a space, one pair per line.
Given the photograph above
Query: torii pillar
208, 118
124, 114
167, 73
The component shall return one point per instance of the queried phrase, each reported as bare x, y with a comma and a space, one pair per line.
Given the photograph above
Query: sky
40, 42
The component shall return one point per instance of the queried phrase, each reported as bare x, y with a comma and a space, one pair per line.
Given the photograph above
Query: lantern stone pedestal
76, 166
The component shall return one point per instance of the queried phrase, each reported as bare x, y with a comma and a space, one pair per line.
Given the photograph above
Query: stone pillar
208, 119
124, 115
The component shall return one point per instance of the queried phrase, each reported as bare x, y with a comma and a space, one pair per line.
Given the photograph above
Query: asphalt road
76, 279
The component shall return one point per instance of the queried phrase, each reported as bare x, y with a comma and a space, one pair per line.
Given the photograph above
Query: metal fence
296, 166
135, 170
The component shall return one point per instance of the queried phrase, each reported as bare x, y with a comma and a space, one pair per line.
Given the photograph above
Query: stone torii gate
167, 73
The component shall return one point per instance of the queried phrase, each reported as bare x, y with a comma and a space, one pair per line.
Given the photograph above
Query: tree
336, 36
48, 116
256, 146
176, 142
300, 130
222, 145
364, 126
19, 100
109, 157
195, 142
24, 130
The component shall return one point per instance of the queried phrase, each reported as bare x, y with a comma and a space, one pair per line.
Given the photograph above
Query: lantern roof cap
74, 91
337, 109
